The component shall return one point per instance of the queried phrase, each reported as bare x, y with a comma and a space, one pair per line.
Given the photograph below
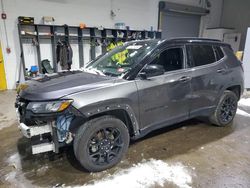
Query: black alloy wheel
101, 143
228, 109
105, 145
225, 110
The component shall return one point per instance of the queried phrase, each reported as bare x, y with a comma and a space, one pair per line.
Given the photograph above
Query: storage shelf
109, 34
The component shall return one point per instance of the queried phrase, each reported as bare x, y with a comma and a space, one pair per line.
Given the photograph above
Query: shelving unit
92, 35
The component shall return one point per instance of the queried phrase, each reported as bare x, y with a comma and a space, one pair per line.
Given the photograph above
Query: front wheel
101, 143
225, 110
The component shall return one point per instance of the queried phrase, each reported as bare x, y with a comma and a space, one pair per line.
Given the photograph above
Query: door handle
221, 70
185, 78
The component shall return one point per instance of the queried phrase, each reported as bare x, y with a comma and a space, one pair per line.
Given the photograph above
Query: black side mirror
151, 70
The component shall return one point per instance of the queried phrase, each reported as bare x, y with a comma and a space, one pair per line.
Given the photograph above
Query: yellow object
111, 46
121, 57
118, 57
64, 105
21, 87
3, 84
239, 55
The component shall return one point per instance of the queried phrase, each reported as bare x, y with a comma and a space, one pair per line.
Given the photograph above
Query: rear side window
200, 55
218, 52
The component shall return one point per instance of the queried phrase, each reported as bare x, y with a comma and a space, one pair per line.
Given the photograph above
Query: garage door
179, 25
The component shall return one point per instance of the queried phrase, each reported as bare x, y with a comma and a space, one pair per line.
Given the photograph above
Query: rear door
208, 76
164, 98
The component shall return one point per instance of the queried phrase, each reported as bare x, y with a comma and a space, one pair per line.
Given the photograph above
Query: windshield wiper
110, 74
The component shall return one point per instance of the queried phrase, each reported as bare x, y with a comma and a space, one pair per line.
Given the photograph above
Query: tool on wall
92, 40
48, 20
26, 20
82, 25
4, 17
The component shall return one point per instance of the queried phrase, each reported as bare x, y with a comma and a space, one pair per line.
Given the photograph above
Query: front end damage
47, 131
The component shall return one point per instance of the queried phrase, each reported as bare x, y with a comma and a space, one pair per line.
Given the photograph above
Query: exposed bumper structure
47, 131
30, 132
44, 147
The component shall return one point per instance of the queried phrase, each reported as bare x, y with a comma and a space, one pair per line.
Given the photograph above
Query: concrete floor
190, 154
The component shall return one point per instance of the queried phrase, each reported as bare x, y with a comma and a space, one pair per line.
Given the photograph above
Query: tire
101, 143
225, 110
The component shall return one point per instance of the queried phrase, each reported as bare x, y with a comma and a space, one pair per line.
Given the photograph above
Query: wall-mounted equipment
96, 38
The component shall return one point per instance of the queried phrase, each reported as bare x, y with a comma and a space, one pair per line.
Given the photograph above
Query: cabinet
227, 35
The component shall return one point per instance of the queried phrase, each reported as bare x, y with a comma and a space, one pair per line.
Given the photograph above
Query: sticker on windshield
120, 70
134, 47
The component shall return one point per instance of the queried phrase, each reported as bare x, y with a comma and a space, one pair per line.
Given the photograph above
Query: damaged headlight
48, 107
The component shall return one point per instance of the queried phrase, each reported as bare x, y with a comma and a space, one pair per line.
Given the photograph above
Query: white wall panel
75, 59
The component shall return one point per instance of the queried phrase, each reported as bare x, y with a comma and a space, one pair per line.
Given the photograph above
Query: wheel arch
122, 112
236, 89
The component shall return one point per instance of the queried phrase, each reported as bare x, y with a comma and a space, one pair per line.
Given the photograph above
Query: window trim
221, 51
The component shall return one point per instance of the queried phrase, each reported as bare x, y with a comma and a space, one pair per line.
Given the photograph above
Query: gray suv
128, 92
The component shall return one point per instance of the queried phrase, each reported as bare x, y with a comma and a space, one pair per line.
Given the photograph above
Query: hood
62, 84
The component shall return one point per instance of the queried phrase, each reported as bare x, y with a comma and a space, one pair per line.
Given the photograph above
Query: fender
107, 106
230, 86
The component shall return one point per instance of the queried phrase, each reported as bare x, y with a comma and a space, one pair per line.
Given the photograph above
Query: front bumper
33, 131
47, 132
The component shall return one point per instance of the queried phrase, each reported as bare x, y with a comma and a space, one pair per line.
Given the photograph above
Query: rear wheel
226, 109
101, 143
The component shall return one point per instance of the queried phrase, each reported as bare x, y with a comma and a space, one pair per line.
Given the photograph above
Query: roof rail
194, 39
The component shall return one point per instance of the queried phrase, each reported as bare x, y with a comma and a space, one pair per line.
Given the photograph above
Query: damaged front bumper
29, 132
47, 132
32, 131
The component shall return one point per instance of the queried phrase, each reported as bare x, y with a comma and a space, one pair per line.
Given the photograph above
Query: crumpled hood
62, 84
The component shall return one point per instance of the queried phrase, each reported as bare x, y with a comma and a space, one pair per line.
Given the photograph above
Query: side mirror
151, 70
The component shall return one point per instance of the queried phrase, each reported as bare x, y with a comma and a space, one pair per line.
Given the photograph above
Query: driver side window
171, 59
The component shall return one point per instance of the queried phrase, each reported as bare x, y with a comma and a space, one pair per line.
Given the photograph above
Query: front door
3, 84
164, 99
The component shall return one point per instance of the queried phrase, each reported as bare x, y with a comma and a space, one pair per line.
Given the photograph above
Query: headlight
48, 107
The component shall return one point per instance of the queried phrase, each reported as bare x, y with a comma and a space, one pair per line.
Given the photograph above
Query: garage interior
188, 154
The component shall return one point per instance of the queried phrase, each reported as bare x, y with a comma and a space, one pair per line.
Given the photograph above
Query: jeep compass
128, 92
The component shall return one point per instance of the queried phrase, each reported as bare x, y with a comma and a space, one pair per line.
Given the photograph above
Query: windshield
122, 58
